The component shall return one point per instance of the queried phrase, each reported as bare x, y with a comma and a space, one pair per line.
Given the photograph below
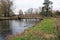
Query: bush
44, 13
57, 13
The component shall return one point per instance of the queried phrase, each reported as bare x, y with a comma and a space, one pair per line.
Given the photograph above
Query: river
12, 27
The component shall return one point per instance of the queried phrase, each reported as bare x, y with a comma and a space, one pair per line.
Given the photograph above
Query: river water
12, 27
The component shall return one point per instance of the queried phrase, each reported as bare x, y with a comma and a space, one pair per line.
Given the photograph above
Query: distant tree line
41, 12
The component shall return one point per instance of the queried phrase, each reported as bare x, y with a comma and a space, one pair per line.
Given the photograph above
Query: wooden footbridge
30, 16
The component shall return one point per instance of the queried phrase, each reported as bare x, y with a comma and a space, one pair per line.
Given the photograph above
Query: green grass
46, 26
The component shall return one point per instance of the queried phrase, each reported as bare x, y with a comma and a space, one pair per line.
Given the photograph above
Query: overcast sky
26, 4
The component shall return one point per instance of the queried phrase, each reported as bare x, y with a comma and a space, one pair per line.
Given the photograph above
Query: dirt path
58, 27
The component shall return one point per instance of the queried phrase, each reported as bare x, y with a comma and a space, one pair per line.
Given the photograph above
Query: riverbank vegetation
44, 30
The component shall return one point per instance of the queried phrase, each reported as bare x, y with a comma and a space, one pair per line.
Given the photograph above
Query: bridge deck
30, 16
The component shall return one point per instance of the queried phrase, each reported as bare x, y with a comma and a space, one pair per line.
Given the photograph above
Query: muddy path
58, 27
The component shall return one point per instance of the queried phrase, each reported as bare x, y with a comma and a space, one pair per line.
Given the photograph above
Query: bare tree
30, 10
20, 12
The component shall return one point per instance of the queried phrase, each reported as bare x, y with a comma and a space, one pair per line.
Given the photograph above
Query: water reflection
13, 27
4, 29
1, 38
19, 26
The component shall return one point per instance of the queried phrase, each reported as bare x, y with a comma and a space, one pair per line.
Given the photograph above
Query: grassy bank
45, 30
